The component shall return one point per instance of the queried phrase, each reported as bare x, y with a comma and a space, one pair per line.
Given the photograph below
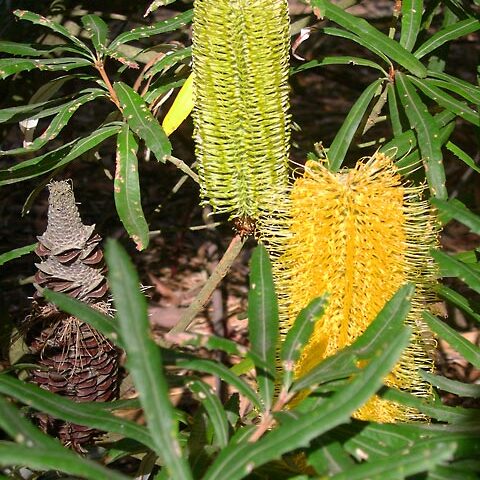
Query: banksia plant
359, 235
240, 72
74, 359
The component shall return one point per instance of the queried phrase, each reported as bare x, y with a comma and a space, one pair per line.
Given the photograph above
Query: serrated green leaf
463, 156
10, 66
30, 439
447, 101
57, 158
126, 189
450, 267
456, 209
412, 11
16, 253
337, 61
298, 336
410, 462
329, 457
142, 122
152, 95
458, 29
89, 414
214, 409
236, 460
57, 124
144, 360
343, 363
98, 31
56, 27
263, 321
337, 32
428, 134
373, 37
171, 58
339, 147
454, 415
460, 344
157, 3
452, 386
219, 370
21, 112
22, 49
458, 300
60, 459
393, 110
154, 29
98, 320
467, 90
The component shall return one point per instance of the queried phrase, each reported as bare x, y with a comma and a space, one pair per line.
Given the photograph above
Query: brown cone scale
74, 359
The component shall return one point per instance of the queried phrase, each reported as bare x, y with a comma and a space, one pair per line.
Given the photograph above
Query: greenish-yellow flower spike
359, 235
240, 72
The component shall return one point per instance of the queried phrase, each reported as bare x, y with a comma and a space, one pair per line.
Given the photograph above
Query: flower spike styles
240, 72
360, 234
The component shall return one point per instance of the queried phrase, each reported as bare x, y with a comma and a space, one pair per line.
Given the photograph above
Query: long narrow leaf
98, 320
219, 370
98, 31
144, 360
142, 122
460, 344
56, 27
450, 267
343, 364
57, 158
393, 110
458, 29
17, 253
88, 414
427, 132
370, 34
447, 101
235, 460
458, 300
126, 189
214, 409
410, 462
344, 137
471, 92
170, 58
57, 124
457, 210
463, 156
455, 415
337, 61
62, 460
263, 321
452, 386
298, 336
412, 11
160, 27
11, 66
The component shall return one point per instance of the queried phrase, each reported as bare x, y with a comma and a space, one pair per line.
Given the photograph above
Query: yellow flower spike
240, 57
359, 235
181, 107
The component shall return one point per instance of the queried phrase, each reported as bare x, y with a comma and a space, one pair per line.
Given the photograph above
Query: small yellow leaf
181, 107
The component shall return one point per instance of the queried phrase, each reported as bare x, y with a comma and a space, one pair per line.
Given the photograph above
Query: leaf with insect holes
141, 121
126, 189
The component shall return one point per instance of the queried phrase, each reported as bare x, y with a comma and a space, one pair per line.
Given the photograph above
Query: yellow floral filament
359, 235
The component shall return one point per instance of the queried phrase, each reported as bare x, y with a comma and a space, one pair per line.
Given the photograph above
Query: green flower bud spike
240, 73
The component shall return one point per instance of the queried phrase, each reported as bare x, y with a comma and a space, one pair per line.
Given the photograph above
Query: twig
183, 167
207, 290
101, 69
